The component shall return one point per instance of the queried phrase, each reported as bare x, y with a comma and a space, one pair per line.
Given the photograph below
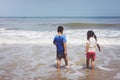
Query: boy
60, 42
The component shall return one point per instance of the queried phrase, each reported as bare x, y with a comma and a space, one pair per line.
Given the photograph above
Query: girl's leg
87, 63
92, 63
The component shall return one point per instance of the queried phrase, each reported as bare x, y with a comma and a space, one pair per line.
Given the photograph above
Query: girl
90, 48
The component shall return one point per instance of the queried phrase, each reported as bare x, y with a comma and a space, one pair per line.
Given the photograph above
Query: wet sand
38, 62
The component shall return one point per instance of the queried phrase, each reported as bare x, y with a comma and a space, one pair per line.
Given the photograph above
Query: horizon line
59, 16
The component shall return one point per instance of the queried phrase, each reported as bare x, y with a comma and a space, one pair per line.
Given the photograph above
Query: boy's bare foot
67, 66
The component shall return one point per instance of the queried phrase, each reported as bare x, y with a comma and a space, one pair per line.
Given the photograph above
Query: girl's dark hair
90, 33
60, 29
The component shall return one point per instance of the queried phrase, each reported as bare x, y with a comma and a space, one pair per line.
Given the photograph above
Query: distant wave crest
91, 24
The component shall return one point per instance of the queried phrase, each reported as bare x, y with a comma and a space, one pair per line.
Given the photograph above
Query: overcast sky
59, 7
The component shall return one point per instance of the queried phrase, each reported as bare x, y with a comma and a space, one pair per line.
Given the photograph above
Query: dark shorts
60, 56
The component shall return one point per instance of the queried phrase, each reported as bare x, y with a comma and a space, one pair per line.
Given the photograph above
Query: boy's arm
65, 48
99, 47
54, 43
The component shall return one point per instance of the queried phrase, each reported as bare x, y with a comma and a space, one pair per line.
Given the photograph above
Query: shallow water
38, 62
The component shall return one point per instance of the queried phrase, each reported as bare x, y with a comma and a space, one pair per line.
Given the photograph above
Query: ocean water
29, 41
42, 30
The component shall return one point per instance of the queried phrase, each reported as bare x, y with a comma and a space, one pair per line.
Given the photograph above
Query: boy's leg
58, 64
59, 57
65, 59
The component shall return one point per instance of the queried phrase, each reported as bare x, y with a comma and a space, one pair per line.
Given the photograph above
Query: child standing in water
60, 43
90, 48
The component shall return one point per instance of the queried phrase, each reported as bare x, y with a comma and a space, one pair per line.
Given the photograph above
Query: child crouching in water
91, 47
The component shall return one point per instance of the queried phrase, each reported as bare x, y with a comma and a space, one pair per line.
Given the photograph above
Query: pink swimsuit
91, 55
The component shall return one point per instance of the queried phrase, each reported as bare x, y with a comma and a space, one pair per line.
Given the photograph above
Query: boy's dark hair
90, 33
60, 29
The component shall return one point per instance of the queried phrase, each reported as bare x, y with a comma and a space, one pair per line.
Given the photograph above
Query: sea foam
76, 37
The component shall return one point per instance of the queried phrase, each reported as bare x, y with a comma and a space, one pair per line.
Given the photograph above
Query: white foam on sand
73, 74
117, 76
105, 68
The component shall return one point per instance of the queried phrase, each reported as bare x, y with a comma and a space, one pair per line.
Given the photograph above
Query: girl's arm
99, 47
87, 47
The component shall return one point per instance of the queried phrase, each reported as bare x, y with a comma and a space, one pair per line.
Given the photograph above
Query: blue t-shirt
59, 40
